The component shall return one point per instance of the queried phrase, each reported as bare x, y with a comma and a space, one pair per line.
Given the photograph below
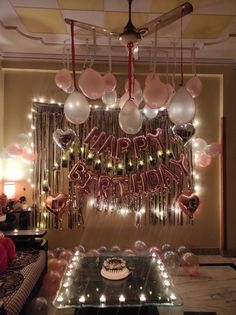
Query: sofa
21, 279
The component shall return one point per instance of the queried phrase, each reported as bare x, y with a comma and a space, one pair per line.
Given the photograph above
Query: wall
21, 86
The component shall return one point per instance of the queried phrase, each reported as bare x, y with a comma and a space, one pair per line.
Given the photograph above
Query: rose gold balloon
61, 266
213, 149
93, 252
128, 252
190, 263
28, 155
194, 86
154, 250
109, 81
92, 84
63, 79
51, 254
66, 255
203, 160
51, 282
14, 149
57, 204
124, 98
151, 77
52, 263
156, 94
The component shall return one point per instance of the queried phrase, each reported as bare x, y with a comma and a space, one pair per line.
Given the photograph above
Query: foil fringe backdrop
53, 166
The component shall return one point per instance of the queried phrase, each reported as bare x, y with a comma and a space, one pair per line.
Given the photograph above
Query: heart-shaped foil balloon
185, 132
57, 204
64, 139
188, 204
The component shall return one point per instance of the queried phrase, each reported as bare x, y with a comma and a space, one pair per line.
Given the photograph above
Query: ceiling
35, 29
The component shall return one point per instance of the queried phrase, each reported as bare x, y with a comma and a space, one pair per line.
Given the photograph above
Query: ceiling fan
133, 35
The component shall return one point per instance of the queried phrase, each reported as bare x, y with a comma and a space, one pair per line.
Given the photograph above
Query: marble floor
213, 290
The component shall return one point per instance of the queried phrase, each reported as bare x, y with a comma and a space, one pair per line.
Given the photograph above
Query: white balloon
182, 107
109, 97
76, 108
22, 139
150, 113
130, 119
199, 145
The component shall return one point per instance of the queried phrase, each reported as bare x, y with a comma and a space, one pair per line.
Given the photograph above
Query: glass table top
147, 284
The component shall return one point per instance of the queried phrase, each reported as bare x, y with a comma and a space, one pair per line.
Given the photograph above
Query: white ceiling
36, 29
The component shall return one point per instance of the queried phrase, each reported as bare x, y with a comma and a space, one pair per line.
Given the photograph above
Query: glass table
148, 284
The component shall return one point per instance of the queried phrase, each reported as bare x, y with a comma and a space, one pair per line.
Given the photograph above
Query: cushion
9, 246
3, 259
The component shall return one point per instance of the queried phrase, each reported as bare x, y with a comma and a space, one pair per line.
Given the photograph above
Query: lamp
10, 189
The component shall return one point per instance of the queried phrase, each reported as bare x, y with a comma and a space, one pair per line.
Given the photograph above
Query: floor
213, 290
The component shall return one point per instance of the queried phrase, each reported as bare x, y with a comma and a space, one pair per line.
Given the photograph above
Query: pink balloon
203, 160
110, 82
128, 252
63, 79
92, 252
213, 149
154, 250
51, 282
51, 254
14, 150
190, 263
66, 255
92, 84
151, 77
28, 155
194, 86
156, 94
61, 266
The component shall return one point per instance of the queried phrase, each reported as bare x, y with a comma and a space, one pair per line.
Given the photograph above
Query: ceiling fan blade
90, 27
165, 19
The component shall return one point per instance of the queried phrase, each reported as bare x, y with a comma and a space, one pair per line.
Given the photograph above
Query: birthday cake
114, 268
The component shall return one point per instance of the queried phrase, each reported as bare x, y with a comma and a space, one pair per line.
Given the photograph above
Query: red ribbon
73, 53
130, 54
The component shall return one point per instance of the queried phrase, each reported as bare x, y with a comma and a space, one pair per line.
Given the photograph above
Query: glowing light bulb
102, 299
122, 298
142, 297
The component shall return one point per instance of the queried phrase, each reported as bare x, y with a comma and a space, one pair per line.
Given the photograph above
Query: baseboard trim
206, 251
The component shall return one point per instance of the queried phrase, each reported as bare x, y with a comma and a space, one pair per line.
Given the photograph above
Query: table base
142, 310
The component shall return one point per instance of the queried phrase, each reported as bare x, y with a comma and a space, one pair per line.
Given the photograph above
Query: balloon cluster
21, 149
157, 95
93, 86
58, 260
205, 152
